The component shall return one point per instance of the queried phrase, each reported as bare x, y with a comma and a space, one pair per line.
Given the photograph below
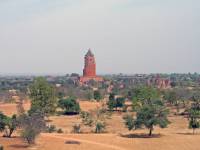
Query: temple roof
89, 53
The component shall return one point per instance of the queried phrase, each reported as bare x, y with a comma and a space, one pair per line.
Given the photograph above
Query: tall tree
42, 97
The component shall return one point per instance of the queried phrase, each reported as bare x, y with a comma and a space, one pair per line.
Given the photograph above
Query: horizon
126, 36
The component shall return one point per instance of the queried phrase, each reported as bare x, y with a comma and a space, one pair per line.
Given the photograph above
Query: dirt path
84, 141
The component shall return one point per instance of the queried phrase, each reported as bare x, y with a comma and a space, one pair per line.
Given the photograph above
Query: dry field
175, 137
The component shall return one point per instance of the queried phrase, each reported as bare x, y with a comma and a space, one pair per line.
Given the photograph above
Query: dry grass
176, 137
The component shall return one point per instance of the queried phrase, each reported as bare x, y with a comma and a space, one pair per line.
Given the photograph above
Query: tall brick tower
89, 71
90, 65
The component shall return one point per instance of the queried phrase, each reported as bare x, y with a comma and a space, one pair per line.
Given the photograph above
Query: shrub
70, 105
115, 103
96, 119
29, 134
99, 127
97, 95
77, 128
1, 147
8, 124
51, 128
129, 121
60, 131
31, 126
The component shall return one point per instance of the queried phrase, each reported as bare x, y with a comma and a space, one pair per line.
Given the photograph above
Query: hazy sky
128, 36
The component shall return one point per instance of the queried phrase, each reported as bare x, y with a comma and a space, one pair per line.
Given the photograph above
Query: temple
159, 82
89, 71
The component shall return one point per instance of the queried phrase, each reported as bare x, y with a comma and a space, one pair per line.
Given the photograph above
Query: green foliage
51, 128
86, 118
97, 95
111, 102
3, 121
10, 123
194, 112
145, 93
111, 96
70, 105
89, 95
60, 95
142, 95
115, 103
42, 97
149, 115
178, 97
170, 96
99, 127
129, 121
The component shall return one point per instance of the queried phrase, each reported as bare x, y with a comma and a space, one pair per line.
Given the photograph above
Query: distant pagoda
89, 71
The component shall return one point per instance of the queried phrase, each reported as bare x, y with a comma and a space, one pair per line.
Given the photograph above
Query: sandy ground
176, 137
10, 109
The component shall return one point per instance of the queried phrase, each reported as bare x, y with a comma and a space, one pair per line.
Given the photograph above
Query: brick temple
89, 71
159, 82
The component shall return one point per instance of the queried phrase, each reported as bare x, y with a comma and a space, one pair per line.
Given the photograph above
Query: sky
126, 36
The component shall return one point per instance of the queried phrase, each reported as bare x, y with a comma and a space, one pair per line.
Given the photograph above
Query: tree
177, 97
129, 121
120, 102
31, 126
170, 96
194, 112
70, 105
115, 103
7, 124
12, 124
149, 115
3, 119
97, 95
111, 101
42, 97
60, 95
96, 119
142, 95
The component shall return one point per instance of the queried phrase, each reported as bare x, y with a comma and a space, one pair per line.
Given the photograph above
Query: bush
29, 135
77, 128
51, 128
115, 102
129, 121
96, 119
1, 147
70, 105
8, 124
100, 127
97, 95
60, 131
31, 126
